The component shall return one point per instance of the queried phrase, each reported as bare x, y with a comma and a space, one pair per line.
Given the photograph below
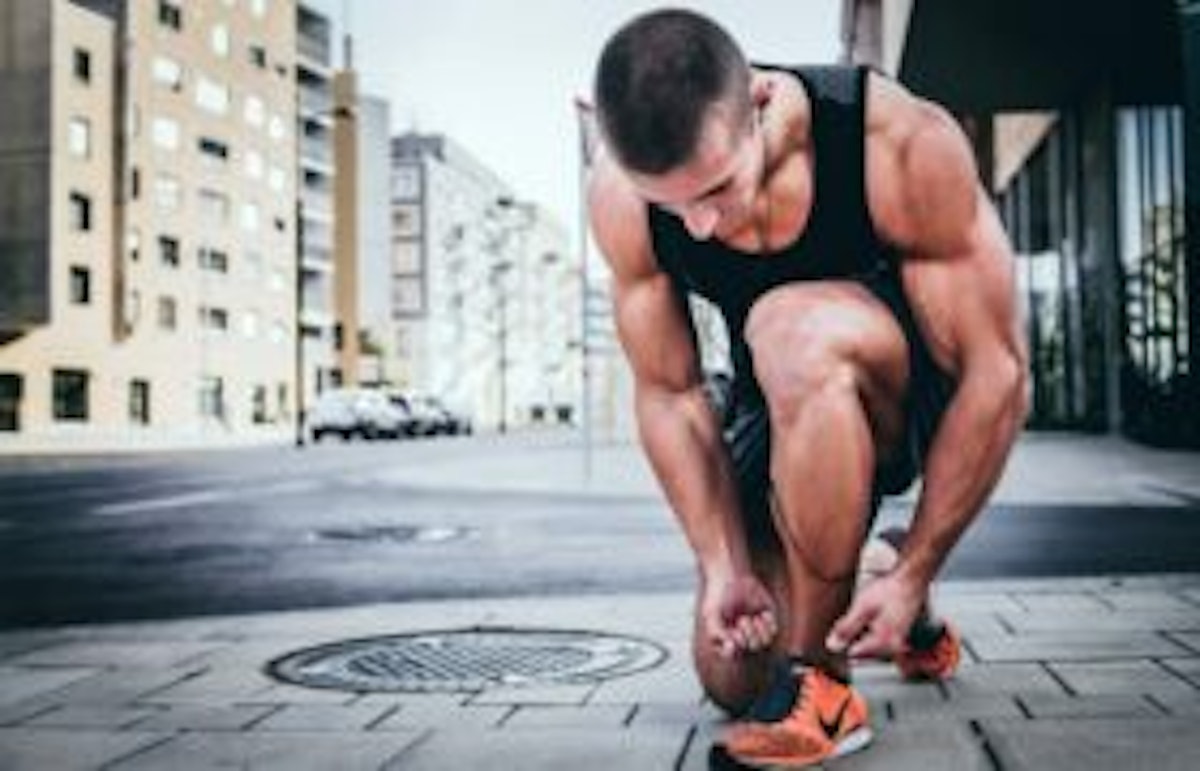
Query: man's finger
877, 642
848, 628
762, 625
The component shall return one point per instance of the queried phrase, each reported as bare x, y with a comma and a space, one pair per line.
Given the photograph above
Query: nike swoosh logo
832, 727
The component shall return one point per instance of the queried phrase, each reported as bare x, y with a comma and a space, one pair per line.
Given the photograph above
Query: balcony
316, 103
317, 150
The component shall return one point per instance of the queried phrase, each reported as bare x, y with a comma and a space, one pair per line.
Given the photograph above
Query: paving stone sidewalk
1058, 674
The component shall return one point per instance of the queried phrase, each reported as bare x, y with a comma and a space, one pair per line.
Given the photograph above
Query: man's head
674, 103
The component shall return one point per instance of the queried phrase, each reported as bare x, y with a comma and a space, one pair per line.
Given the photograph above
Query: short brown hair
657, 80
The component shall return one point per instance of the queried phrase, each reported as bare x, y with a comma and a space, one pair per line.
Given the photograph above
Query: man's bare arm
959, 276
677, 427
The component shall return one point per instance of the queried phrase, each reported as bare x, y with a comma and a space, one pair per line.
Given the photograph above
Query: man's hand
738, 615
878, 620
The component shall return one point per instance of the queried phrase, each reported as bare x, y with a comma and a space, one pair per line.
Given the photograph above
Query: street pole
583, 113
297, 329
503, 309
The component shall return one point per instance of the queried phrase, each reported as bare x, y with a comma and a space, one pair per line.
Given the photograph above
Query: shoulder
922, 180
620, 222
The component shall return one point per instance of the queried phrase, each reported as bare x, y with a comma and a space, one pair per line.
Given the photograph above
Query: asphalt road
140, 537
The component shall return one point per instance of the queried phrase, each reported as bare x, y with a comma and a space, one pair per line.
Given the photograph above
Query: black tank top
838, 242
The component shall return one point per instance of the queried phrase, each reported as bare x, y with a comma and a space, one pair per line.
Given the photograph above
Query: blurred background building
1085, 118
485, 291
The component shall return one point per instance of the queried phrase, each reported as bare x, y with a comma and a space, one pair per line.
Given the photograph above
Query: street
249, 530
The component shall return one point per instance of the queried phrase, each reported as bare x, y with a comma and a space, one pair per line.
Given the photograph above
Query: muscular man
838, 223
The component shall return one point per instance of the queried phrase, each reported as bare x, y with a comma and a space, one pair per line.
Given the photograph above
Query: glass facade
1070, 295
1153, 275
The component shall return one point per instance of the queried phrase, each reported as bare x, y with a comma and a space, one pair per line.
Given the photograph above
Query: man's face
714, 192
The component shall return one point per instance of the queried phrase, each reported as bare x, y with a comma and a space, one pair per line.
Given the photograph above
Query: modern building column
1189, 26
1100, 278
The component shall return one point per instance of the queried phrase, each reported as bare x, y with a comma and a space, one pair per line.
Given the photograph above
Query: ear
762, 86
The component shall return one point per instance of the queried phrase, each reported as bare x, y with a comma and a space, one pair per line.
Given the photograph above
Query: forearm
682, 439
966, 460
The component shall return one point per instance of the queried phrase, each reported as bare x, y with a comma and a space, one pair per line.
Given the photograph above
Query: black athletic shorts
747, 434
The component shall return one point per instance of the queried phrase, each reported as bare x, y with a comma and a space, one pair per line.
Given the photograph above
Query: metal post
503, 311
583, 113
298, 329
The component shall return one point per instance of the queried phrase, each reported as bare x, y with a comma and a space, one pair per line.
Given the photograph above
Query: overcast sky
499, 76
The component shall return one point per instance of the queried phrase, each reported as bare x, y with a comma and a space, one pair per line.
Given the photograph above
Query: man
837, 222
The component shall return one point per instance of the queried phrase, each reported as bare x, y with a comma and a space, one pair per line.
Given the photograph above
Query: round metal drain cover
467, 660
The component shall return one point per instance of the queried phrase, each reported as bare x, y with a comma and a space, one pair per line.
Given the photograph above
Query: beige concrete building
169, 253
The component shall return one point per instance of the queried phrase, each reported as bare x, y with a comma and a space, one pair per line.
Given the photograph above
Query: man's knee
732, 685
801, 351
828, 347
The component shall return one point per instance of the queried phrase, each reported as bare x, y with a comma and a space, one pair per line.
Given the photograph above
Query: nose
701, 221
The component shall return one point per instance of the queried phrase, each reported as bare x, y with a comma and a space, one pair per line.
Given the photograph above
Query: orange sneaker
937, 661
825, 718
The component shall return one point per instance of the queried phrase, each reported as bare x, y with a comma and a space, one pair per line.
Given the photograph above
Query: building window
135, 183
81, 285
165, 133
254, 164
168, 193
250, 324
81, 65
258, 405
214, 260
167, 313
258, 8
70, 394
167, 72
258, 56
168, 251
254, 111
250, 218
134, 244
213, 150
216, 319
214, 207
275, 129
139, 402
170, 14
212, 96
219, 39
11, 388
212, 397
81, 212
79, 137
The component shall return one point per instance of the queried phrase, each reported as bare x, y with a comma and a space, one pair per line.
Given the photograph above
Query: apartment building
318, 367
147, 197
485, 290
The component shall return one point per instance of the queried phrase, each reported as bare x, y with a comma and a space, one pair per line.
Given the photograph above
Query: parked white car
356, 412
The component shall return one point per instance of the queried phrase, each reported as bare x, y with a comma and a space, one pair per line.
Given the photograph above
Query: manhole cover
392, 534
468, 660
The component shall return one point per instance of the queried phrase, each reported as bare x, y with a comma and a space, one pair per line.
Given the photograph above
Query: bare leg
832, 364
